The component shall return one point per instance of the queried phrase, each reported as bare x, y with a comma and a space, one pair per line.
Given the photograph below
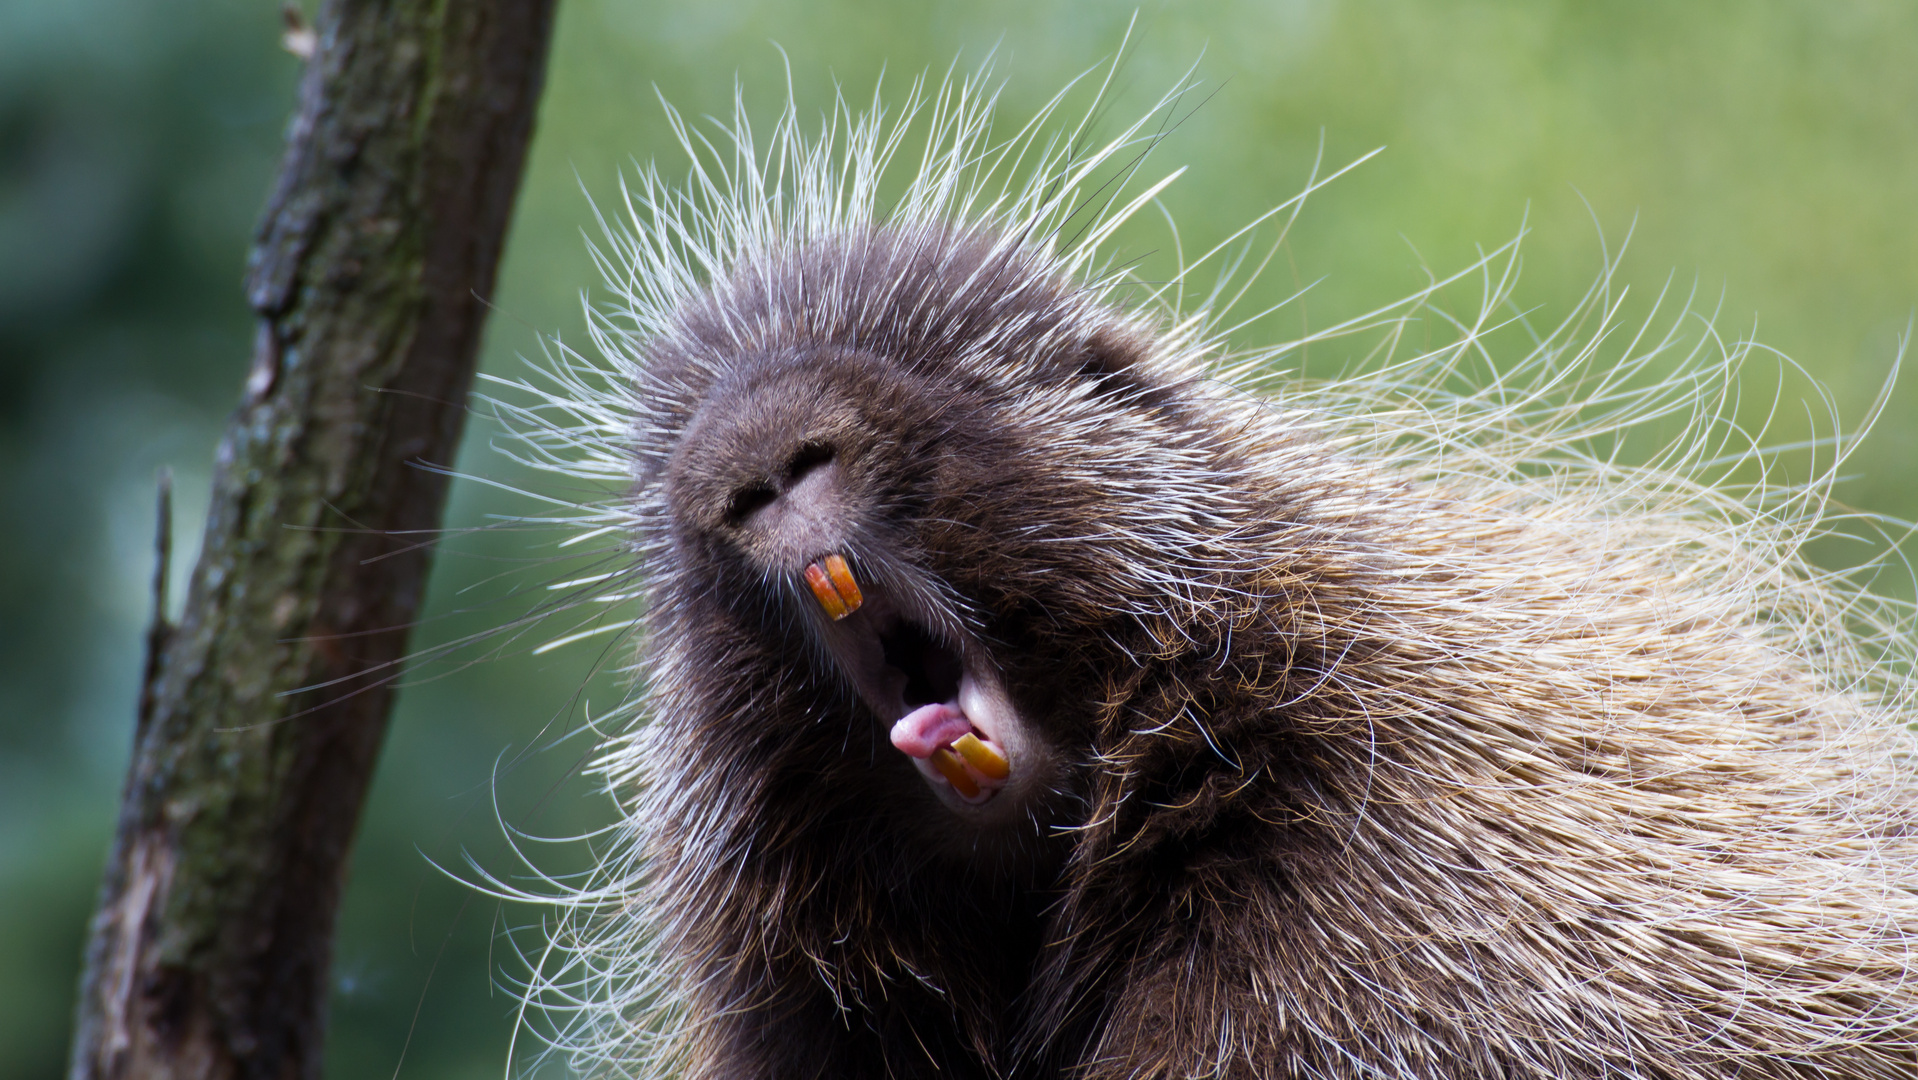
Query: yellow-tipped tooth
823, 591
843, 581
954, 771
982, 756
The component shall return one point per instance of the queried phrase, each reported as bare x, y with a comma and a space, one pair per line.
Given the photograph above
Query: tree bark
263, 710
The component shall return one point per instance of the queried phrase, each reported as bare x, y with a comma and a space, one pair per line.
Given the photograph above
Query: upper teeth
834, 586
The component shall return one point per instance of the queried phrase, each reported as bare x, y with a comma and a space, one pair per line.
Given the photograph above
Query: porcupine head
897, 556
925, 506
1022, 699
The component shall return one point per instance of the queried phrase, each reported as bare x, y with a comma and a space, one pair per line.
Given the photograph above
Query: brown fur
1345, 772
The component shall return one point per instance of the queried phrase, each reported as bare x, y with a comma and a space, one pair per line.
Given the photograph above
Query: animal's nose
751, 497
798, 508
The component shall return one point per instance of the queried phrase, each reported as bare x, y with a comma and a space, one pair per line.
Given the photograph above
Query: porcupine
1032, 687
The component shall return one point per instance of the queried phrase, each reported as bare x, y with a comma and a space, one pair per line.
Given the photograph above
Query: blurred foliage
1760, 153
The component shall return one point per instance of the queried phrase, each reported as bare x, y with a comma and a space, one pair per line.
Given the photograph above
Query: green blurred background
1768, 153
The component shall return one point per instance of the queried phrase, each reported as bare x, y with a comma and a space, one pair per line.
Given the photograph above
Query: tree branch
264, 708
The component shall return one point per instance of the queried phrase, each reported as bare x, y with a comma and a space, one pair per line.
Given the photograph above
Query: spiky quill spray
1033, 687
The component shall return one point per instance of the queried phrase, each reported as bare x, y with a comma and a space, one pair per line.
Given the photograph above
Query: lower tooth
954, 771
982, 756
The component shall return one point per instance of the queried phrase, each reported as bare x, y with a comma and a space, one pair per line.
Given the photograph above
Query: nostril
745, 501
748, 499
808, 457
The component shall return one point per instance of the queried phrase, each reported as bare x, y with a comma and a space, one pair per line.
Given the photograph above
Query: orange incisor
834, 586
982, 756
954, 771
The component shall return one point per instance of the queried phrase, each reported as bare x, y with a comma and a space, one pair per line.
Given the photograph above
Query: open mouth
948, 710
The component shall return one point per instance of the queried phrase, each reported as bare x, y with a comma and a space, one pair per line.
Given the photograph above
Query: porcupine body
1321, 738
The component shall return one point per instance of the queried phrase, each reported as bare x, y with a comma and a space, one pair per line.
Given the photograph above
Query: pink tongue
927, 728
